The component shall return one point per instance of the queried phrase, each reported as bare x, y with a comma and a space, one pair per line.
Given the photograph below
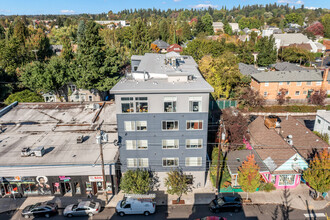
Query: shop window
14, 188
108, 187
77, 187
88, 186
67, 187
99, 186
56, 188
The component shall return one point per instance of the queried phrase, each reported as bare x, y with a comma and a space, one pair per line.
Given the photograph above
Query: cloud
66, 11
204, 6
299, 2
177, 0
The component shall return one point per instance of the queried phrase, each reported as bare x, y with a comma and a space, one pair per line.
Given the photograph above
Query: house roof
269, 145
304, 140
247, 69
286, 66
288, 76
236, 158
174, 48
161, 44
287, 39
234, 26
304, 46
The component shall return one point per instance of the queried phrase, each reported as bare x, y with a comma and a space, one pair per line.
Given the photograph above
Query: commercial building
162, 114
51, 149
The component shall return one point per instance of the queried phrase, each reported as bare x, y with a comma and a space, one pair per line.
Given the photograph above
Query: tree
2, 33
316, 29
164, 30
24, 96
294, 54
248, 175
67, 52
207, 21
294, 18
245, 53
325, 20
248, 97
318, 97
141, 40
39, 42
5, 86
20, 32
225, 175
267, 51
136, 182
281, 96
227, 28
318, 174
177, 183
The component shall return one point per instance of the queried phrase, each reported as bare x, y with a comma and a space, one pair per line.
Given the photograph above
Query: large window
195, 104
130, 144
194, 143
143, 162
170, 125
141, 104
142, 144
286, 180
169, 104
129, 125
170, 162
137, 162
127, 105
141, 125
131, 162
193, 161
195, 125
170, 144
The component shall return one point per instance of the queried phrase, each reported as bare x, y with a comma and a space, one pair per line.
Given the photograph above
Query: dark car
225, 204
45, 209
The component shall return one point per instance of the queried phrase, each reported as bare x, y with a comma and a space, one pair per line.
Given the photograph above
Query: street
251, 212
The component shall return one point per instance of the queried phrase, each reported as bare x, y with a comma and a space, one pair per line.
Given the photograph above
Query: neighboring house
317, 47
282, 160
244, 37
326, 43
271, 30
288, 39
299, 84
255, 30
286, 66
114, 23
234, 27
217, 26
322, 122
162, 45
72, 94
162, 113
57, 49
174, 48
246, 30
235, 160
294, 25
247, 69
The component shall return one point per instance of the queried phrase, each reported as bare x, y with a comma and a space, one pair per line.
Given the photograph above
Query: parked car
45, 209
135, 206
212, 218
82, 208
318, 60
227, 203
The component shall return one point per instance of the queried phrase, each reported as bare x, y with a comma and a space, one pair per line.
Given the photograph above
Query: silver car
82, 208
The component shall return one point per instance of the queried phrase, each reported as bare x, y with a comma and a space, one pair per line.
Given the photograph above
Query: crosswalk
315, 215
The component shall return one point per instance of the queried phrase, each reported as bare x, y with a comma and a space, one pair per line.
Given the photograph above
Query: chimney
325, 78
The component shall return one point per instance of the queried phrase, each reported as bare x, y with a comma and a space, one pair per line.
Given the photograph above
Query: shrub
267, 187
24, 96
324, 137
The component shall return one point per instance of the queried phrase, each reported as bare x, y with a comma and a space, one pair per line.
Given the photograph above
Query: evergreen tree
245, 53
67, 52
140, 41
267, 51
2, 33
207, 21
164, 30
227, 28
199, 26
39, 42
24, 96
81, 31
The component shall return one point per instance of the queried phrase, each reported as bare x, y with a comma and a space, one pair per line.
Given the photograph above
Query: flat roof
154, 65
288, 76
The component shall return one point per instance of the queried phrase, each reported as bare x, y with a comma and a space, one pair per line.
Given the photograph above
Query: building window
143, 162
308, 83
129, 125
142, 144
266, 175
328, 128
194, 143
265, 94
193, 161
195, 125
297, 93
127, 105
266, 83
305, 92
319, 83
169, 104
273, 179
280, 83
286, 180
170, 162
141, 125
141, 104
195, 104
319, 121
170, 144
170, 125
131, 162
90, 98
298, 83
130, 144
288, 83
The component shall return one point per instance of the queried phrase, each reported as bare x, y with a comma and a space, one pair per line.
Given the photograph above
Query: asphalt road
250, 212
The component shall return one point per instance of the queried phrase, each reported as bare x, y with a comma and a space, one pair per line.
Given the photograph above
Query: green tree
2, 33
5, 84
186, 31
294, 18
267, 51
141, 40
20, 32
227, 28
81, 31
245, 53
164, 30
325, 20
225, 175
24, 96
207, 21
318, 173
67, 52
177, 183
136, 182
39, 42
199, 26
295, 55
248, 175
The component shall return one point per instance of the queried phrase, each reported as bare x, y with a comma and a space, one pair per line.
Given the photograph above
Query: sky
32, 7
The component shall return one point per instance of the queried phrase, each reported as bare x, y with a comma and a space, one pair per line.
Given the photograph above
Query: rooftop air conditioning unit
80, 139
26, 152
38, 151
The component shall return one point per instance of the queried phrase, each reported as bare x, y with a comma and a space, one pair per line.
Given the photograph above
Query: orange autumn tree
155, 48
248, 175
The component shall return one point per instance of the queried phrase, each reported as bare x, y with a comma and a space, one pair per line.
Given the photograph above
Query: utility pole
221, 137
103, 172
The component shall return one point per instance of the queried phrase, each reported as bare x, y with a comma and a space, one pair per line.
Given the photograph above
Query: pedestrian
90, 195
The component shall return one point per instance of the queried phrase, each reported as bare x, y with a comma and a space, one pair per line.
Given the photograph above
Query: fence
222, 104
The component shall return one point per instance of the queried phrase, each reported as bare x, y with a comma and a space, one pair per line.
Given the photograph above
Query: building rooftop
286, 66
56, 126
247, 69
288, 76
161, 44
163, 73
287, 39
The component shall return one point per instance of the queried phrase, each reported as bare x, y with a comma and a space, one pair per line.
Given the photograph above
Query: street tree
177, 183
248, 175
136, 182
318, 175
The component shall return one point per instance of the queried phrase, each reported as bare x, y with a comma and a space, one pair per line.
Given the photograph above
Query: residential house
284, 163
244, 37
114, 23
174, 48
57, 49
256, 31
288, 39
247, 69
286, 66
299, 84
270, 31
246, 30
322, 122
326, 43
217, 27
162, 45
234, 27
162, 113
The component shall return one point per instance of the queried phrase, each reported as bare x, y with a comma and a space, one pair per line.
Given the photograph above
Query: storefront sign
64, 178
95, 178
11, 179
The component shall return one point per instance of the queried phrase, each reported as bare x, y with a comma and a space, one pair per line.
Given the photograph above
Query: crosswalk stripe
314, 215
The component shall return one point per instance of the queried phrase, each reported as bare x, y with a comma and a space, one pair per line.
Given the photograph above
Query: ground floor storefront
20, 186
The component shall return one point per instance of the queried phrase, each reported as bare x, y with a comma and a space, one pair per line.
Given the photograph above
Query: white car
135, 206
82, 208
318, 60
